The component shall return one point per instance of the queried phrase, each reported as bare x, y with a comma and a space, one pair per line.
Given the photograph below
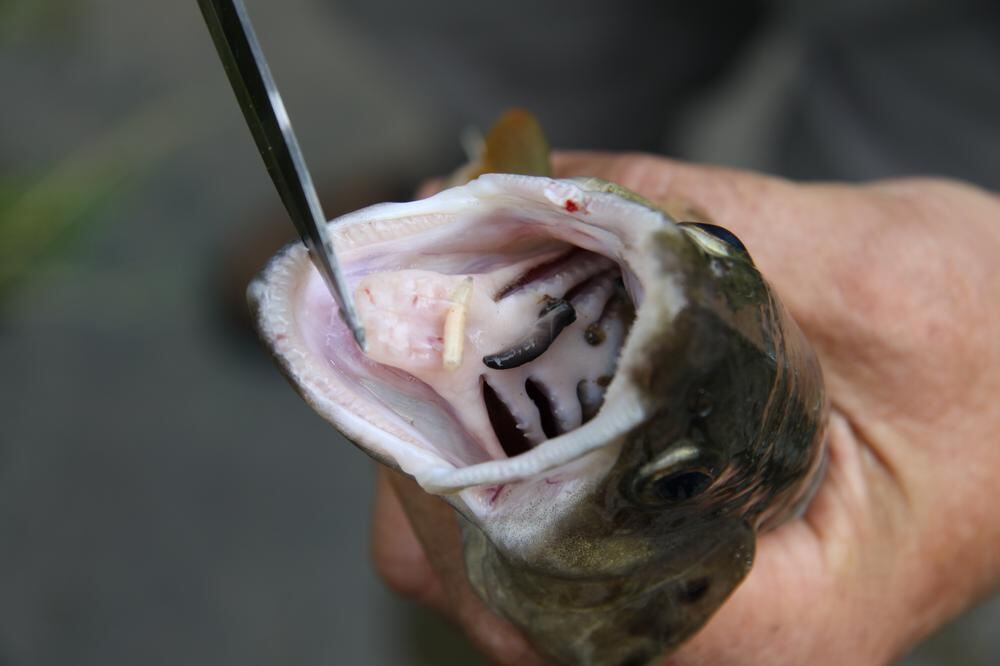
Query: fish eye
681, 485
719, 233
683, 472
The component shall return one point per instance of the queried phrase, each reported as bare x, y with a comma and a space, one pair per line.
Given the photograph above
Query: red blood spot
280, 336
413, 301
571, 206
496, 492
551, 481
368, 293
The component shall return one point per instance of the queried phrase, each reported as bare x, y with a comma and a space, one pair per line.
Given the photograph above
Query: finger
751, 205
809, 241
397, 553
764, 620
436, 528
759, 209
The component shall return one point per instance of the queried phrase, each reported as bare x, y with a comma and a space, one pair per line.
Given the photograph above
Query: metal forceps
265, 113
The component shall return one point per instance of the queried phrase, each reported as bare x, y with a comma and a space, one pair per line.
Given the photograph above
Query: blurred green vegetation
43, 219
45, 214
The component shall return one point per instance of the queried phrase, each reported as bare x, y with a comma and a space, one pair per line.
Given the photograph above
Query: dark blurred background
165, 498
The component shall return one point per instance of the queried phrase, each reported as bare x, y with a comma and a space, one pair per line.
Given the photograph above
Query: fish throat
522, 349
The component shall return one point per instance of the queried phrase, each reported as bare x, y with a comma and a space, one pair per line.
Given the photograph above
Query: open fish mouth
500, 317
613, 402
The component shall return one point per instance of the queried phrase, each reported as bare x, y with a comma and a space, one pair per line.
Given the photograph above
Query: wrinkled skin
894, 283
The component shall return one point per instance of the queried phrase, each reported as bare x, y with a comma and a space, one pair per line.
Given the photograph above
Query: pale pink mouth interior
538, 318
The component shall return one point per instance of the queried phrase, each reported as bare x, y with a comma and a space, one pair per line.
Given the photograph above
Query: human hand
894, 284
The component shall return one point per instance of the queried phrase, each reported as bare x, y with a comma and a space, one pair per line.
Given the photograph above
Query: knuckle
396, 573
406, 574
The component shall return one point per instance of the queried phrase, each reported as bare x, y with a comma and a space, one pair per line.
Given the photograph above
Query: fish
614, 402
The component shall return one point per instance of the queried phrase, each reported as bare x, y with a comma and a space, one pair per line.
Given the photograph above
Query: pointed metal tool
265, 113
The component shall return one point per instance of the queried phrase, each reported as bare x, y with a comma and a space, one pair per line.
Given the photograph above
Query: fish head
612, 402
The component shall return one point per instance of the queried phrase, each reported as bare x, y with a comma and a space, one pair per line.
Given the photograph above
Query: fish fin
515, 144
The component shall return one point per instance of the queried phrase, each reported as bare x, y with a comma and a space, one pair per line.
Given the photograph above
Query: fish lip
275, 287
283, 277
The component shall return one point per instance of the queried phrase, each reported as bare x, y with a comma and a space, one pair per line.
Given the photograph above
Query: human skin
896, 284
